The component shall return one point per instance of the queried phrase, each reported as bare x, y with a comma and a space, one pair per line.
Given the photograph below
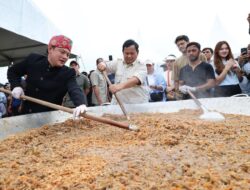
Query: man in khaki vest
100, 94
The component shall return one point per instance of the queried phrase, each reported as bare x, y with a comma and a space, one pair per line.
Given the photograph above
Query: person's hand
17, 92
242, 58
230, 63
184, 89
236, 69
115, 88
19, 109
9, 109
101, 66
78, 110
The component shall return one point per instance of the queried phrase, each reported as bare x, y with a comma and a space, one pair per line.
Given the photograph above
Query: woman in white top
227, 71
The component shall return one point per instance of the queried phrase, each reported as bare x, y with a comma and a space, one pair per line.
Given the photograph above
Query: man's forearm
97, 94
176, 85
86, 91
130, 83
209, 84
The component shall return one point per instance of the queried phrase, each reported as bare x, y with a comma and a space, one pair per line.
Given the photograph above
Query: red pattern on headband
61, 41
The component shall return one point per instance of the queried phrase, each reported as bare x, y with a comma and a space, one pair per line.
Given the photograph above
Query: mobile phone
243, 51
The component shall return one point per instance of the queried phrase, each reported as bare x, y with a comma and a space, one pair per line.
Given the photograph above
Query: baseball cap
170, 57
148, 62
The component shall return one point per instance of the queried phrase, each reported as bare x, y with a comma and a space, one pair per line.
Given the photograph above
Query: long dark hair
219, 66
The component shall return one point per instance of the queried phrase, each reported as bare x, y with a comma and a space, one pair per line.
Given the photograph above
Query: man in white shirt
130, 75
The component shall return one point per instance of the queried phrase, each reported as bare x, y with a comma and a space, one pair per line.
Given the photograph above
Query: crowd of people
204, 72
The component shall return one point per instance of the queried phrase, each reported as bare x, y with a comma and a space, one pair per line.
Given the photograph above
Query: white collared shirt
123, 72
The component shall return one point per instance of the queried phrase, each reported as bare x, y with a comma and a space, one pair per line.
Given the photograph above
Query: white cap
170, 57
148, 62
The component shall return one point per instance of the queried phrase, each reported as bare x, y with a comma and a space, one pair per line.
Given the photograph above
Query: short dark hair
196, 44
99, 60
181, 37
208, 48
73, 62
129, 43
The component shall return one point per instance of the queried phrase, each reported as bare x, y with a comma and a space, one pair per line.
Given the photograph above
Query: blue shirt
158, 80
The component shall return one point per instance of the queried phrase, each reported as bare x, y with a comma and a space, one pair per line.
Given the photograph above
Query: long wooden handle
195, 99
69, 110
117, 98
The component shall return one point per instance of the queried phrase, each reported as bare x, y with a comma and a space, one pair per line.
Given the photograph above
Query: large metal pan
232, 105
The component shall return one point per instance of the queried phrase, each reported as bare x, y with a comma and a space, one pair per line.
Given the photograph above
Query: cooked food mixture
171, 151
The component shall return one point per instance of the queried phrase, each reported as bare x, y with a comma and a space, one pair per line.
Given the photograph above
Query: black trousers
227, 90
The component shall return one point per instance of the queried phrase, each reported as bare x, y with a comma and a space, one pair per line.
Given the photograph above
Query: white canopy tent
15, 47
23, 30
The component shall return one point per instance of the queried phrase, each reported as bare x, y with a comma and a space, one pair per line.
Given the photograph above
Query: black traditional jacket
45, 82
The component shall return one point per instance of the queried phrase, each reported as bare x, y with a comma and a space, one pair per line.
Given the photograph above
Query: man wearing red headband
47, 78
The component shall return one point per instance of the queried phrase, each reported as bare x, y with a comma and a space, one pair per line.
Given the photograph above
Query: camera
243, 51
